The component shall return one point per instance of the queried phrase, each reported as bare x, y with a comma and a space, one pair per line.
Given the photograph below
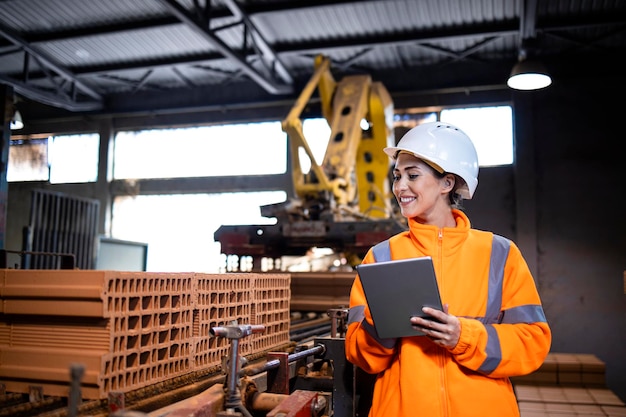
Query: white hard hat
445, 146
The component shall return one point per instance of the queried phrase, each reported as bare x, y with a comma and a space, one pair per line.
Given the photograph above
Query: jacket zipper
442, 354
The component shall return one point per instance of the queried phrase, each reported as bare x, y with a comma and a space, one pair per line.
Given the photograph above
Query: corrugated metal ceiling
117, 55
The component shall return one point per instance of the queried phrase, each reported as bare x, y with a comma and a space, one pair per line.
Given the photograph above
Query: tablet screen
396, 291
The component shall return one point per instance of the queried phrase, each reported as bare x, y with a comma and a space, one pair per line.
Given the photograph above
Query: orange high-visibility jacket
487, 284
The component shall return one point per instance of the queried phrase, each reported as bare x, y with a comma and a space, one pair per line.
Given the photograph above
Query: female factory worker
492, 327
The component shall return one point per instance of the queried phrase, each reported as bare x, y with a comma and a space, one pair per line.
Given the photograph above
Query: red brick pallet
128, 329
567, 385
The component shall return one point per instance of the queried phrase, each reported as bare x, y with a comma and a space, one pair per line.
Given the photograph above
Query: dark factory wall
581, 228
563, 203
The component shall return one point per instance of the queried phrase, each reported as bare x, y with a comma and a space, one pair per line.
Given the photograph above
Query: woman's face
419, 192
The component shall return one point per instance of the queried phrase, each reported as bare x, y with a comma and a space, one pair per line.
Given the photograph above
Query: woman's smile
406, 200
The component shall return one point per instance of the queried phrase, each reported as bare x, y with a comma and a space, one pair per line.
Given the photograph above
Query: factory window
74, 158
28, 160
179, 228
490, 128
239, 149
58, 159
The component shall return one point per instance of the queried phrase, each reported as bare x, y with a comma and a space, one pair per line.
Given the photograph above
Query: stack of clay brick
568, 385
128, 330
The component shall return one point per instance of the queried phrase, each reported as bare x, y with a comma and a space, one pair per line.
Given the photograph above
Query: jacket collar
426, 237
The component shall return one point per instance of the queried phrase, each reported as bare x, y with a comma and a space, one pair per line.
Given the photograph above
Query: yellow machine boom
344, 202
354, 172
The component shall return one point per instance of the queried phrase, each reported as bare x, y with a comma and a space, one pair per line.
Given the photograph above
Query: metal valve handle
235, 332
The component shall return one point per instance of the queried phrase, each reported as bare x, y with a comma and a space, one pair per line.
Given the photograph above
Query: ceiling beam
266, 53
270, 85
48, 64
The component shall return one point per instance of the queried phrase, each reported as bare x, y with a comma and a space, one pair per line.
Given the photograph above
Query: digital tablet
396, 291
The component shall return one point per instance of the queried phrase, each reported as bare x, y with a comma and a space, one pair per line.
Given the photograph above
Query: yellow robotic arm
352, 180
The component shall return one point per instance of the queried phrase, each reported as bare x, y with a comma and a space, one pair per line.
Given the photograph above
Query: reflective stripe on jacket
488, 286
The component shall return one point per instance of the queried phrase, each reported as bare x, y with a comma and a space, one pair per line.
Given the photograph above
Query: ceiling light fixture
528, 74
16, 121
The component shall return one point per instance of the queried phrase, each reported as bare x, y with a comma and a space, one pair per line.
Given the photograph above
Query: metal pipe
275, 363
263, 401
